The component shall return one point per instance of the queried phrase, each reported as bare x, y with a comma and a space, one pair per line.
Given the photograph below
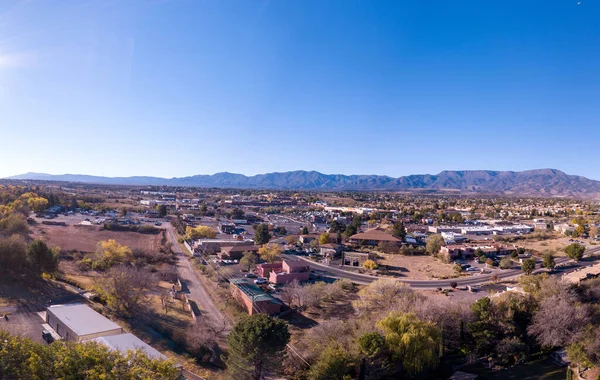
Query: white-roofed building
79, 322
129, 342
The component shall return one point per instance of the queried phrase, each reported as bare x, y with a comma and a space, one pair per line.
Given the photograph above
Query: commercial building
79, 322
373, 237
355, 259
129, 342
288, 271
254, 299
236, 252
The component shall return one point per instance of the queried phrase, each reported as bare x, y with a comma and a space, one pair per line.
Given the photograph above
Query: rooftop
129, 342
375, 234
252, 291
82, 319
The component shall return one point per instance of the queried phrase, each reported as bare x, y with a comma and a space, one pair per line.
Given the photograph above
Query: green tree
434, 244
256, 345
237, 214
399, 231
261, 234
413, 342
42, 258
575, 251
20, 358
505, 263
162, 210
304, 231
548, 261
248, 261
203, 208
528, 266
334, 363
350, 230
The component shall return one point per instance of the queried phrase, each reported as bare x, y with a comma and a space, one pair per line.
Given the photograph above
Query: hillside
542, 182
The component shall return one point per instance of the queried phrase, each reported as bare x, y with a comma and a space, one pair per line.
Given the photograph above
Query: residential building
227, 228
373, 237
330, 250
254, 299
79, 322
264, 269
582, 274
306, 239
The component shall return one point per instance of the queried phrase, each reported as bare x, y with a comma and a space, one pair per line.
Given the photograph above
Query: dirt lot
555, 245
85, 238
417, 267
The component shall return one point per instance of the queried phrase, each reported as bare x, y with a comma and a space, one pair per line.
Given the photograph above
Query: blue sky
175, 88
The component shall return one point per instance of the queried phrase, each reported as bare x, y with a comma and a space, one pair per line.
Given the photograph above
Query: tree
42, 258
505, 263
528, 266
350, 230
203, 208
162, 210
20, 358
261, 234
548, 261
111, 252
37, 204
124, 289
200, 232
270, 252
324, 238
248, 260
413, 342
334, 363
237, 214
382, 295
458, 269
399, 231
256, 344
575, 251
434, 244
370, 264
560, 321
304, 231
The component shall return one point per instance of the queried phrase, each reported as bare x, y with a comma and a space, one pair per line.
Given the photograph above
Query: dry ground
555, 245
417, 267
85, 238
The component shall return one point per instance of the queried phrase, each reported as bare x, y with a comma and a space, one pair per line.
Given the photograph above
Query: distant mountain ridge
541, 182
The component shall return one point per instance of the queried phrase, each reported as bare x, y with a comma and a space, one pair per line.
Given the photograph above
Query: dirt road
195, 288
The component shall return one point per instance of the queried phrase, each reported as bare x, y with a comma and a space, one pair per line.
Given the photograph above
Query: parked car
471, 269
466, 266
250, 275
260, 281
47, 336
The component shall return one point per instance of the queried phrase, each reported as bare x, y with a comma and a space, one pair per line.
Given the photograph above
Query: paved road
479, 279
190, 279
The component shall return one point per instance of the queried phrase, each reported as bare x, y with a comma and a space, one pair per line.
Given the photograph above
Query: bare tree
124, 288
385, 294
559, 321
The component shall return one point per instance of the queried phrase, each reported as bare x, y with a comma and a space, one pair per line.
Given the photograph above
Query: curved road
336, 272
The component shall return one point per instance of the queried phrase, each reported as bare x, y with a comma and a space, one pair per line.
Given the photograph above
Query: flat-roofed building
254, 298
79, 322
129, 342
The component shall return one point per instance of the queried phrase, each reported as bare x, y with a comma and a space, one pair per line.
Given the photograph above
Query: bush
84, 265
99, 265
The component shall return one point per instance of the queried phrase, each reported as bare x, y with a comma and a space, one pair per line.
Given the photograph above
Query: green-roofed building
254, 298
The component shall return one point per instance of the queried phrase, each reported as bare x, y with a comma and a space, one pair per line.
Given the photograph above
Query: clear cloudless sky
183, 87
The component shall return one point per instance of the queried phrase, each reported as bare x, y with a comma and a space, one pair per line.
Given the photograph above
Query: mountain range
541, 182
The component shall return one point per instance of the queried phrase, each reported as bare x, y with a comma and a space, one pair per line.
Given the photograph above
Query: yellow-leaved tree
200, 232
112, 252
270, 253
